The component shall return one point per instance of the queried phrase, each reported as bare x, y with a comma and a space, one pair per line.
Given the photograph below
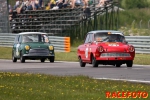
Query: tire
94, 62
13, 58
22, 59
118, 65
42, 60
82, 64
129, 63
51, 59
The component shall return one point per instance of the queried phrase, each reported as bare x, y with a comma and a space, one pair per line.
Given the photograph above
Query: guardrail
61, 44
141, 43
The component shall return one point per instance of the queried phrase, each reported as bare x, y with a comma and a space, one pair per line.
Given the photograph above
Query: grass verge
143, 59
25, 86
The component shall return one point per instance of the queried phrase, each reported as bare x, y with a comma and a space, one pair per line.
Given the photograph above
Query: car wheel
82, 64
94, 62
13, 58
51, 59
42, 60
118, 65
129, 63
22, 59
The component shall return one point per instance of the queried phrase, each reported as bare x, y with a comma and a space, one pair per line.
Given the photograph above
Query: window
20, 39
45, 38
105, 37
27, 38
16, 39
87, 38
90, 38
35, 38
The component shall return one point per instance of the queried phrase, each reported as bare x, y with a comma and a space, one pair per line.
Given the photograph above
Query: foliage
133, 16
129, 4
134, 31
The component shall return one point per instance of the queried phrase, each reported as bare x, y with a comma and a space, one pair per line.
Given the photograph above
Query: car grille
115, 55
39, 51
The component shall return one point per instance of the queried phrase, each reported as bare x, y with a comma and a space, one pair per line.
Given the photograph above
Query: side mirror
90, 42
126, 42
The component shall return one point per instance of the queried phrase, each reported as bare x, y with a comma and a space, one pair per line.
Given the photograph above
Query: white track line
137, 81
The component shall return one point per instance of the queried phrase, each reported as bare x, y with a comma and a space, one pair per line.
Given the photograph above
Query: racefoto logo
128, 94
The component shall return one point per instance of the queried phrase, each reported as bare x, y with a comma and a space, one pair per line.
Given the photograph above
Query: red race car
106, 47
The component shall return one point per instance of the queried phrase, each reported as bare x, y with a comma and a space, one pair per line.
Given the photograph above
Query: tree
129, 4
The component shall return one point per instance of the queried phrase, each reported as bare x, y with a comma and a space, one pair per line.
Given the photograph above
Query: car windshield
35, 38
105, 37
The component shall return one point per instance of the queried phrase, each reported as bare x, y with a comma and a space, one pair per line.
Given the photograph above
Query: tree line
130, 4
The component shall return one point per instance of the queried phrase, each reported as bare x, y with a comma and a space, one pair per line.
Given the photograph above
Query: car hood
38, 45
114, 46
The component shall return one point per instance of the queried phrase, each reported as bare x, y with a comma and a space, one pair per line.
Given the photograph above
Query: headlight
51, 47
27, 47
131, 49
100, 49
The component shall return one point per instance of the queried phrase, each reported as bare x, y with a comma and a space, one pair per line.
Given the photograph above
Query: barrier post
67, 44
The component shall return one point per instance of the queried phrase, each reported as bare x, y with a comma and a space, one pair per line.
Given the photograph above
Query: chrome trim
115, 55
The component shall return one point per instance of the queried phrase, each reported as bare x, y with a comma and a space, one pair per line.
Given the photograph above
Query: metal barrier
141, 43
61, 44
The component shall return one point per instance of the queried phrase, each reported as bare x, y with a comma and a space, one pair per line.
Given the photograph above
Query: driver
114, 38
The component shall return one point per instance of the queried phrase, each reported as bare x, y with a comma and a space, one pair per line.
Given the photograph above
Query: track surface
138, 73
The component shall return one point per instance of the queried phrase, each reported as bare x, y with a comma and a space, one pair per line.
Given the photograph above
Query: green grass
71, 56
143, 59
5, 53
25, 86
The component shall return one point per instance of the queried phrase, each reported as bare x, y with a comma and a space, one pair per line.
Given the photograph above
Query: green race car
34, 46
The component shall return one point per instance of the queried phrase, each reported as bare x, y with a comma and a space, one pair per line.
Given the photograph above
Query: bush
132, 17
129, 4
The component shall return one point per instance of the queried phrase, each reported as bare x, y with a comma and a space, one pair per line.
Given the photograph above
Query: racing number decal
17, 49
86, 53
113, 44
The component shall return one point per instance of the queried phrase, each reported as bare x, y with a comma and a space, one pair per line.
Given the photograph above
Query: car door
82, 48
88, 45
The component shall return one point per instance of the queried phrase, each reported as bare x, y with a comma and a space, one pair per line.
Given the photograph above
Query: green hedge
129, 4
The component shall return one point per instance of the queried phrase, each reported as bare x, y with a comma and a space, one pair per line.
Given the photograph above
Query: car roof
103, 31
22, 33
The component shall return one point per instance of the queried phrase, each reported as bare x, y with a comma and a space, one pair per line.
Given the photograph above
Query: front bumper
115, 56
37, 56
38, 53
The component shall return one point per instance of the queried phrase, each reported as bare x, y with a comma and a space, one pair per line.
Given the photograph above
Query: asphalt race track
138, 73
